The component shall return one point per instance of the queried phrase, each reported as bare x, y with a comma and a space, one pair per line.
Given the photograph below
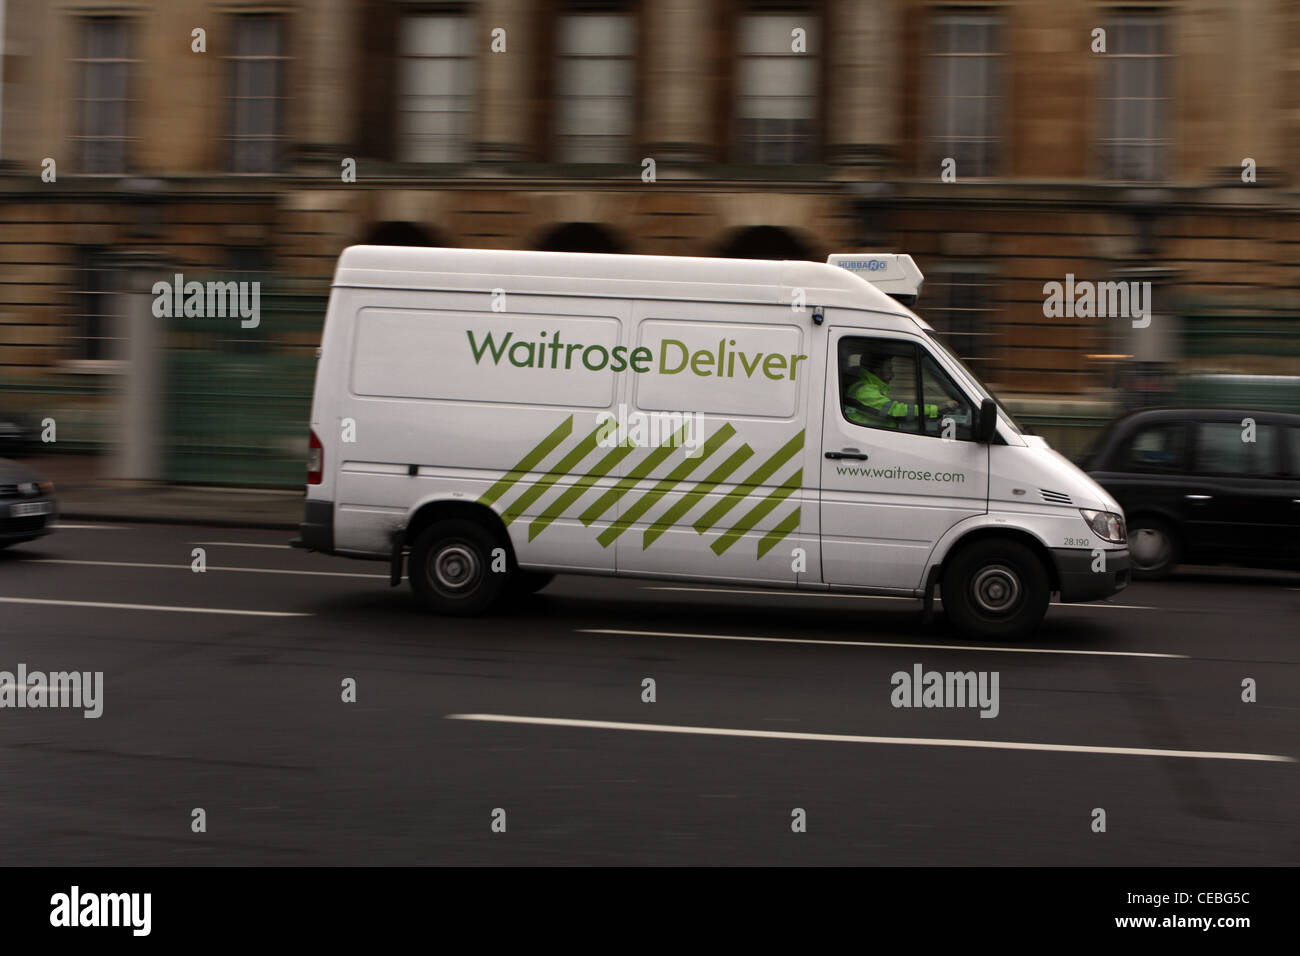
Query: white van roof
599, 274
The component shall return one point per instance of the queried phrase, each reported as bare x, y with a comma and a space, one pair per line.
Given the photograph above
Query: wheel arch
439, 509
984, 532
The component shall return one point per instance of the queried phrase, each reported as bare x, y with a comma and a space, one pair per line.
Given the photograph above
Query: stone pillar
138, 446
677, 79
506, 96
326, 72
861, 39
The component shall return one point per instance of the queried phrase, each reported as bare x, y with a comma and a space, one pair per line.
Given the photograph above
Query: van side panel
740, 504
482, 397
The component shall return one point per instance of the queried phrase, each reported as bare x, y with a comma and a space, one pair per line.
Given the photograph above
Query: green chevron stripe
647, 465
528, 462
758, 512
647, 500
575, 490
741, 491
782, 529
688, 501
564, 467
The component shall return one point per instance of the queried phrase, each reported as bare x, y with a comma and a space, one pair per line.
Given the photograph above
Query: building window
93, 314
435, 88
257, 94
966, 67
1134, 104
777, 87
103, 101
595, 87
961, 305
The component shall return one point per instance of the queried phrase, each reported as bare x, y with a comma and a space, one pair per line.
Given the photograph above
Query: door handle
847, 453
1198, 497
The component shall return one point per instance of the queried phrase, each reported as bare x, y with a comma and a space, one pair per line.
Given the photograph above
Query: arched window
580, 237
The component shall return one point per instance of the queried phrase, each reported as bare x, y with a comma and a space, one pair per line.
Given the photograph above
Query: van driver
868, 402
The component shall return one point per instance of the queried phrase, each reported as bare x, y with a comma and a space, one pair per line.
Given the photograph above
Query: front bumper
1079, 582
16, 528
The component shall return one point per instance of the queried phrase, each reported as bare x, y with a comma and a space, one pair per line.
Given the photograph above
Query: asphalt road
222, 691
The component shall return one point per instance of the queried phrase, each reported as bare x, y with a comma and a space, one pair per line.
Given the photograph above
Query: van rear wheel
996, 589
450, 568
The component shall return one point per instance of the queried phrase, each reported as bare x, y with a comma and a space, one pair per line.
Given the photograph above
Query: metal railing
238, 402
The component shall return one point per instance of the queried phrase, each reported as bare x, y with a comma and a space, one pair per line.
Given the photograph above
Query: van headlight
1105, 524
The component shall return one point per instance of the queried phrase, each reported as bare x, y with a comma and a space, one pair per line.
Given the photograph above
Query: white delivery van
492, 418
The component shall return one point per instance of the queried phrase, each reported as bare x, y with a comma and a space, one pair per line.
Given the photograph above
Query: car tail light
315, 460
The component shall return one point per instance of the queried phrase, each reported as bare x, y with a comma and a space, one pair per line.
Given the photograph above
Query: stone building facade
996, 142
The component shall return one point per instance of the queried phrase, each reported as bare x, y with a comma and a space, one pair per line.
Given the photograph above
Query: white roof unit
894, 274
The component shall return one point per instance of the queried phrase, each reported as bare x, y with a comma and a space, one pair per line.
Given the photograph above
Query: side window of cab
878, 383
1155, 448
893, 384
953, 415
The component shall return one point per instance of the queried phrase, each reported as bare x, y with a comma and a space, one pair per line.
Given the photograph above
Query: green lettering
528, 346
641, 354
701, 362
794, 365
774, 363
497, 352
750, 369
663, 357
604, 357
619, 355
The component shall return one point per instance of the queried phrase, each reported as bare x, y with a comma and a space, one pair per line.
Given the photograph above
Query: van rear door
899, 465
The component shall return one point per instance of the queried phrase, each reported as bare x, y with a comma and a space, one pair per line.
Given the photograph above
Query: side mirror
986, 425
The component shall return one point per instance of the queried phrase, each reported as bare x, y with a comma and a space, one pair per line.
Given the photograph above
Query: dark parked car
18, 433
26, 504
1201, 485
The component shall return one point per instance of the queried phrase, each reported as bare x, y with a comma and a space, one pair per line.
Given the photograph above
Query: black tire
450, 567
996, 589
1153, 548
529, 582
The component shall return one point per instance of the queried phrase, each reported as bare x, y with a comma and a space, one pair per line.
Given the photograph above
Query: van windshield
978, 382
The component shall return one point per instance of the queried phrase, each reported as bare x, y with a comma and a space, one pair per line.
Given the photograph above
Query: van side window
1156, 448
954, 416
1221, 450
878, 386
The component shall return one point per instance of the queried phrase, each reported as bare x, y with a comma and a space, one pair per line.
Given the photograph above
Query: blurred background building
995, 142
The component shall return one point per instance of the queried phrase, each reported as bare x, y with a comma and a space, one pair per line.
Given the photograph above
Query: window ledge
92, 366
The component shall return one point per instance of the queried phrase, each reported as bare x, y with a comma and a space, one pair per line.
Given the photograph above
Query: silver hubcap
455, 567
996, 589
1149, 547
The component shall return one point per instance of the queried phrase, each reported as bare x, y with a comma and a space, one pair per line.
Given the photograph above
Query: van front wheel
450, 568
996, 589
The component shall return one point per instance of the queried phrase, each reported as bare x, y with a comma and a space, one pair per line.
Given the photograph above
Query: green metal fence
1241, 359
238, 401
79, 405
